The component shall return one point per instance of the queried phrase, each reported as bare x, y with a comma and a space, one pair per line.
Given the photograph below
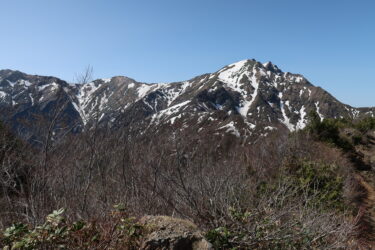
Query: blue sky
330, 42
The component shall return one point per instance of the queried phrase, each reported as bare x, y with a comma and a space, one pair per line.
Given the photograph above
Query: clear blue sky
331, 42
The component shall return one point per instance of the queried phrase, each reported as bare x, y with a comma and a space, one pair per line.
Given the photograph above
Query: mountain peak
271, 67
247, 65
243, 63
12, 75
233, 72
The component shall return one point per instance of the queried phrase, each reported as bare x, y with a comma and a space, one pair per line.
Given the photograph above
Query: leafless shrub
186, 177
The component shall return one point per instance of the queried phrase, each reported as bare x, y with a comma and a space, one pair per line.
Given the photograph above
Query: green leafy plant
220, 238
365, 124
327, 130
126, 232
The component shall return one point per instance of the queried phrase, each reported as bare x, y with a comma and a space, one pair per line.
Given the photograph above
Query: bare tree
85, 76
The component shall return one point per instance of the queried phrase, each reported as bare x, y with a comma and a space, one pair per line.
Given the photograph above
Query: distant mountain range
244, 99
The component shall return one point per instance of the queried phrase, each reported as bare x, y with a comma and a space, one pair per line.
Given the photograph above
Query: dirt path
365, 222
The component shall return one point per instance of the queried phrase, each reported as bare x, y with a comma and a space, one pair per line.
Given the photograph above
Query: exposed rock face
172, 233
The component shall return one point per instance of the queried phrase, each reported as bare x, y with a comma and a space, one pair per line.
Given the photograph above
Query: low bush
365, 124
328, 130
118, 232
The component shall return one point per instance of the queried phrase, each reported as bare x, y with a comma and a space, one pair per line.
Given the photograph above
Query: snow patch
52, 86
103, 102
234, 84
298, 79
302, 121
168, 112
32, 99
269, 128
173, 93
355, 113
247, 104
11, 83
25, 83
84, 97
232, 74
76, 107
231, 128
2, 94
250, 125
285, 120
173, 119
144, 89
318, 111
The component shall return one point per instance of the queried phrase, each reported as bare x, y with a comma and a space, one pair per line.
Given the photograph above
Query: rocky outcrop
172, 233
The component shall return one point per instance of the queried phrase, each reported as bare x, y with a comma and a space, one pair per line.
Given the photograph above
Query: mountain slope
30, 103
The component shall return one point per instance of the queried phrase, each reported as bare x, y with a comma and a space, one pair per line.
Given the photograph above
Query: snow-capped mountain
245, 99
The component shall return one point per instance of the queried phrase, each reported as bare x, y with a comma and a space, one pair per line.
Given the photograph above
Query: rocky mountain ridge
245, 99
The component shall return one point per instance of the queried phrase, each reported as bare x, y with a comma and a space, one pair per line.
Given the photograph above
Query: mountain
245, 99
115, 149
